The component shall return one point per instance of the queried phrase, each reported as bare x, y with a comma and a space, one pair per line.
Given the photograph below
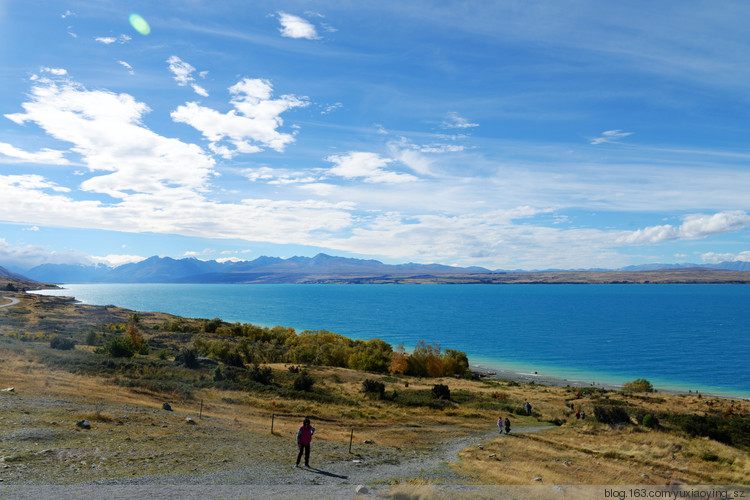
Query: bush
611, 414
218, 376
441, 391
62, 343
650, 421
189, 358
119, 348
261, 375
91, 338
373, 387
303, 382
638, 385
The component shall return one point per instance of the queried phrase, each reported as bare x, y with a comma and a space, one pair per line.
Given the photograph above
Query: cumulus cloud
610, 136
106, 130
250, 126
48, 156
366, 166
716, 258
107, 40
695, 226
454, 120
296, 27
183, 75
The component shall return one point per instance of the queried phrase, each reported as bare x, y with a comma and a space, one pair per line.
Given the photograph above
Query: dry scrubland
133, 437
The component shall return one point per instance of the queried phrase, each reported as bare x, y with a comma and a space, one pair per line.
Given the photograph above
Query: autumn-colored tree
399, 361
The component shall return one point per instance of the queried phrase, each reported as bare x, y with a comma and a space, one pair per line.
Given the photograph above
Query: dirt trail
12, 302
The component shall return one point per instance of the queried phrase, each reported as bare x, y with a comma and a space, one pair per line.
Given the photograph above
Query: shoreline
501, 374
520, 374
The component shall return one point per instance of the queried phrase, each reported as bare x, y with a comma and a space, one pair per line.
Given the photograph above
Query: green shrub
650, 421
62, 344
303, 382
373, 387
261, 375
441, 391
91, 337
118, 347
611, 414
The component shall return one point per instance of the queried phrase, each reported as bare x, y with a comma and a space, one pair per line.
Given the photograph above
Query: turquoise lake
684, 337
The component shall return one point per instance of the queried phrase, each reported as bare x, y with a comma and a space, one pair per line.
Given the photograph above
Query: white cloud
48, 156
32, 228
183, 75
114, 260
106, 130
610, 136
296, 27
55, 71
253, 123
128, 66
23, 258
716, 258
454, 120
367, 166
695, 226
106, 40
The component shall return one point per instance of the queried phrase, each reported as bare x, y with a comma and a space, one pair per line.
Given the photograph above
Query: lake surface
685, 337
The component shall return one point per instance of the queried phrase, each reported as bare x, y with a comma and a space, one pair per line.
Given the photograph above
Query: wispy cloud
183, 75
454, 120
296, 27
107, 40
47, 156
610, 136
127, 66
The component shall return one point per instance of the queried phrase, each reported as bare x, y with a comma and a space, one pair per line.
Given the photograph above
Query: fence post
351, 437
200, 415
272, 416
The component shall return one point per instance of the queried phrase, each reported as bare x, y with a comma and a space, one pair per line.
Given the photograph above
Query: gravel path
329, 477
12, 302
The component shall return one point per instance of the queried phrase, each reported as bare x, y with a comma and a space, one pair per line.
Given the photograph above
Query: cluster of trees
253, 344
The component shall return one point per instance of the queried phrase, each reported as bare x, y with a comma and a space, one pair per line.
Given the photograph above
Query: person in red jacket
304, 437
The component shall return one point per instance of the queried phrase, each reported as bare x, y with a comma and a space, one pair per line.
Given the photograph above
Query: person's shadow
324, 473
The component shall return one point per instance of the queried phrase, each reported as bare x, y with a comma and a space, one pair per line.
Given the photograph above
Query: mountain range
321, 268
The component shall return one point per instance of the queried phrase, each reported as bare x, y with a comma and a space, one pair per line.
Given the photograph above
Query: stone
361, 490
83, 424
537, 479
493, 455
190, 421
9, 389
369, 441
167, 406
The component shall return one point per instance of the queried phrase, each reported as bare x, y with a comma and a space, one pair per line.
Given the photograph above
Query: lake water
685, 337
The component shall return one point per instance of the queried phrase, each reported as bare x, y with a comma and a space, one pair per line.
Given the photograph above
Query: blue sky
506, 134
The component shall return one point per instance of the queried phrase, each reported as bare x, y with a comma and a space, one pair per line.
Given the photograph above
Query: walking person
507, 425
500, 424
304, 438
528, 408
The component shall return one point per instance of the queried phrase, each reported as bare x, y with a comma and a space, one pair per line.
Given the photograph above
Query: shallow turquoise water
677, 336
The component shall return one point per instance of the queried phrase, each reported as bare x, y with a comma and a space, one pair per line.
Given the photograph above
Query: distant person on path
528, 408
507, 425
304, 437
500, 424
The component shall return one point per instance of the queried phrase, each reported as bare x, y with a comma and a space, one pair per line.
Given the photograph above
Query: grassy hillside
626, 438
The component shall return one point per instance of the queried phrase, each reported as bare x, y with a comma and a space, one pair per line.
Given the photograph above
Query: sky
504, 134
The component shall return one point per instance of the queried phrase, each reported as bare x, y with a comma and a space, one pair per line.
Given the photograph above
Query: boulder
9, 389
83, 424
167, 406
190, 421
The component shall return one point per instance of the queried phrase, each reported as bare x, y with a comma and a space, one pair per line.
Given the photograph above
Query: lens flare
139, 24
